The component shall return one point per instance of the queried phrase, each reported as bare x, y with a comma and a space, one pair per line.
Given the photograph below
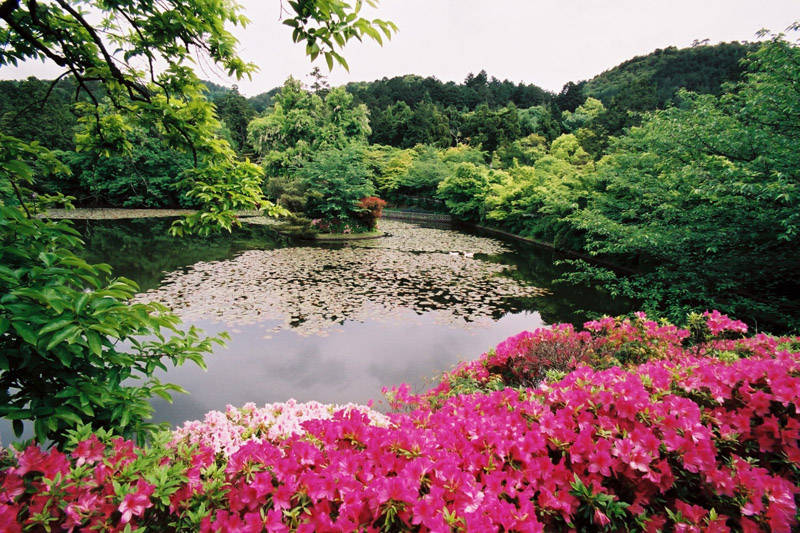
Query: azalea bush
227, 432
531, 357
702, 436
103, 482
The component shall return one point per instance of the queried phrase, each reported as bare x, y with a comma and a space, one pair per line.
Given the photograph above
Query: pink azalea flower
136, 503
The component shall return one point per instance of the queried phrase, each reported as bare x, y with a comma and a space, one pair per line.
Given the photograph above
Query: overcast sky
547, 43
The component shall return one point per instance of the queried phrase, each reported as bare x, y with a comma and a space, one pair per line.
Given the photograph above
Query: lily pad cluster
311, 289
409, 237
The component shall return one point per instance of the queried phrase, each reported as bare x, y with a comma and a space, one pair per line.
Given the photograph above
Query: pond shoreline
121, 213
113, 213
528, 240
413, 216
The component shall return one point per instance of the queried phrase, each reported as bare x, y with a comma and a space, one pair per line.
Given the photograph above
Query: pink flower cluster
693, 439
227, 432
718, 323
694, 444
52, 489
524, 359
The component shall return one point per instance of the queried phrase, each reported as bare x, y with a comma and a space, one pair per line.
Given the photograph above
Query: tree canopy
69, 338
132, 61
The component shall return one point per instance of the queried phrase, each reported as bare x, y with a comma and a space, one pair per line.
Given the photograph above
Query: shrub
63, 329
335, 181
689, 442
464, 191
371, 211
103, 482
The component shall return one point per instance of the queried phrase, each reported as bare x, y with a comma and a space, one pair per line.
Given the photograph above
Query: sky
544, 42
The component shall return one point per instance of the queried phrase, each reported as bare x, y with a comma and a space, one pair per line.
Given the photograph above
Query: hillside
639, 84
475, 90
701, 69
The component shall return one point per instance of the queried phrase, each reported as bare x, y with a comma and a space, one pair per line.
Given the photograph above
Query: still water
335, 323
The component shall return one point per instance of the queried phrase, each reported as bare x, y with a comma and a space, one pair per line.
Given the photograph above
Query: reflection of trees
142, 249
565, 302
311, 289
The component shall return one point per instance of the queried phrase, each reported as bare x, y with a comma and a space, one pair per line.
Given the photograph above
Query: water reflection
349, 366
313, 290
401, 309
143, 250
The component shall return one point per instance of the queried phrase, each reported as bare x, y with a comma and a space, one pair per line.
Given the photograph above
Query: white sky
544, 42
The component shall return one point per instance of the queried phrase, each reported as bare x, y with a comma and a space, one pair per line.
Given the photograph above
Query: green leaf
19, 168
68, 415
94, 342
53, 326
164, 394
81, 302
68, 333
40, 429
25, 331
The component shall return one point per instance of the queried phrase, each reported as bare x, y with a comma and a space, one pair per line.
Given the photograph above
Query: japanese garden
405, 304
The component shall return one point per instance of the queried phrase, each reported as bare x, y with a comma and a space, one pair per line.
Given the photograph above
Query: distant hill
659, 74
413, 89
259, 102
475, 90
215, 90
639, 84
701, 69
262, 101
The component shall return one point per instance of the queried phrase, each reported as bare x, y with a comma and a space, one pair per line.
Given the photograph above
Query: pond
335, 322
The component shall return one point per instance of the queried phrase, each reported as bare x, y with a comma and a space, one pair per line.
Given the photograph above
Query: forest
565, 169
669, 182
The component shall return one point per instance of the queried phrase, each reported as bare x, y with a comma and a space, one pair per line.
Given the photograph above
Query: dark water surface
335, 323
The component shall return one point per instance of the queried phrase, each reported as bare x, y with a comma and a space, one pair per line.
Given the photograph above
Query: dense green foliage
701, 200
335, 180
25, 113
312, 146
464, 191
495, 116
71, 340
300, 123
705, 195
702, 69
235, 112
144, 176
73, 349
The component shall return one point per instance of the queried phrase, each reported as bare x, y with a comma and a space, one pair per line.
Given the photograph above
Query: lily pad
312, 289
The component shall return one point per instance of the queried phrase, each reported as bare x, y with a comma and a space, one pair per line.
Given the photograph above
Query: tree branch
19, 196
115, 72
8, 7
147, 51
28, 36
